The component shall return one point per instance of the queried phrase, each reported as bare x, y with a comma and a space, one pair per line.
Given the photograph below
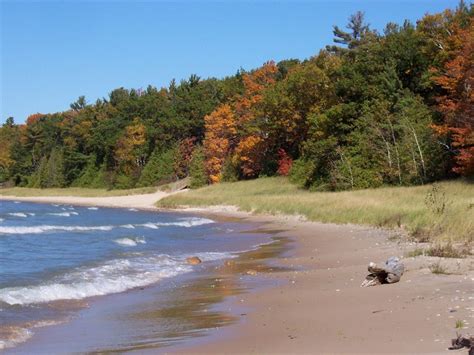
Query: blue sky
54, 51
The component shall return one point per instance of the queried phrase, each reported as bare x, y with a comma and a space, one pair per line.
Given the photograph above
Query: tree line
373, 109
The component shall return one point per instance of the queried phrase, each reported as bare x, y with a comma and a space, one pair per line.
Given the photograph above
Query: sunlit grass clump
444, 211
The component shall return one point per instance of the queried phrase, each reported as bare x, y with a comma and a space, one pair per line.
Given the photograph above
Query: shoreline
319, 307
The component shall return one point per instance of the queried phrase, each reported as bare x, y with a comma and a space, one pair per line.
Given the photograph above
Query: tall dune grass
443, 212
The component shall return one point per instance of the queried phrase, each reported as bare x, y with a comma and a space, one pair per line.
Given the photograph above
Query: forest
372, 109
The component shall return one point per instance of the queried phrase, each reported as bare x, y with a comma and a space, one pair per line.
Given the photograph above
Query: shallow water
54, 258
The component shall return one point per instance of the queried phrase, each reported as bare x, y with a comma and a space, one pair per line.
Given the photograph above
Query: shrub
301, 172
160, 168
197, 169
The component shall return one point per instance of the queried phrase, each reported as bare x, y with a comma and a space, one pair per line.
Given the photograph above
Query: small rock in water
251, 272
194, 260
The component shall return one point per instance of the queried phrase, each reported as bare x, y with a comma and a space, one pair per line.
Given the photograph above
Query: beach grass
73, 191
437, 212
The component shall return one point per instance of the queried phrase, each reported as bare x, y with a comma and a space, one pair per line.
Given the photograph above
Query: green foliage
50, 172
197, 170
159, 168
92, 176
302, 172
230, 172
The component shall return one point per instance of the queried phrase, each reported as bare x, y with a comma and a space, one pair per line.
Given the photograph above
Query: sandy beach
144, 201
319, 306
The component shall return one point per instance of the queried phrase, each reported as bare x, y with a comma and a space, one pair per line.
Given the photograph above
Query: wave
61, 214
182, 222
130, 242
47, 228
14, 335
192, 222
149, 225
18, 214
113, 276
93, 208
2, 219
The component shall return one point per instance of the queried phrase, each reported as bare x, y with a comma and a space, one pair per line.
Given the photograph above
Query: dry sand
319, 306
143, 201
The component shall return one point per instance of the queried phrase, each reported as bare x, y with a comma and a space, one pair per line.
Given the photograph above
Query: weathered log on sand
388, 273
462, 342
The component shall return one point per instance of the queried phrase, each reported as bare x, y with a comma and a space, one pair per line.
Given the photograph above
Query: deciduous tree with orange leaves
457, 103
250, 149
220, 133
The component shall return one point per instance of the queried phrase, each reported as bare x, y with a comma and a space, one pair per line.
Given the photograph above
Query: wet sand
317, 305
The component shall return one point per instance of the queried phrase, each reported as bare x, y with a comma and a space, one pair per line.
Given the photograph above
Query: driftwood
388, 273
462, 342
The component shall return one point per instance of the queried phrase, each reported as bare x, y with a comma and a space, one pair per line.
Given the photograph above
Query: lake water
56, 258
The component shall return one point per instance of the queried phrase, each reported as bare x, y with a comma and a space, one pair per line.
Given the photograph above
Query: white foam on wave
113, 276
60, 214
18, 214
19, 334
133, 209
149, 225
63, 214
130, 242
93, 208
1, 219
128, 226
193, 221
182, 222
47, 228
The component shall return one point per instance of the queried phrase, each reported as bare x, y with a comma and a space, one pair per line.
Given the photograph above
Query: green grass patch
459, 324
73, 191
412, 208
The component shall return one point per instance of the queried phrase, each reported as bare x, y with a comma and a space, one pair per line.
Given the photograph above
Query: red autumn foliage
284, 163
33, 118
